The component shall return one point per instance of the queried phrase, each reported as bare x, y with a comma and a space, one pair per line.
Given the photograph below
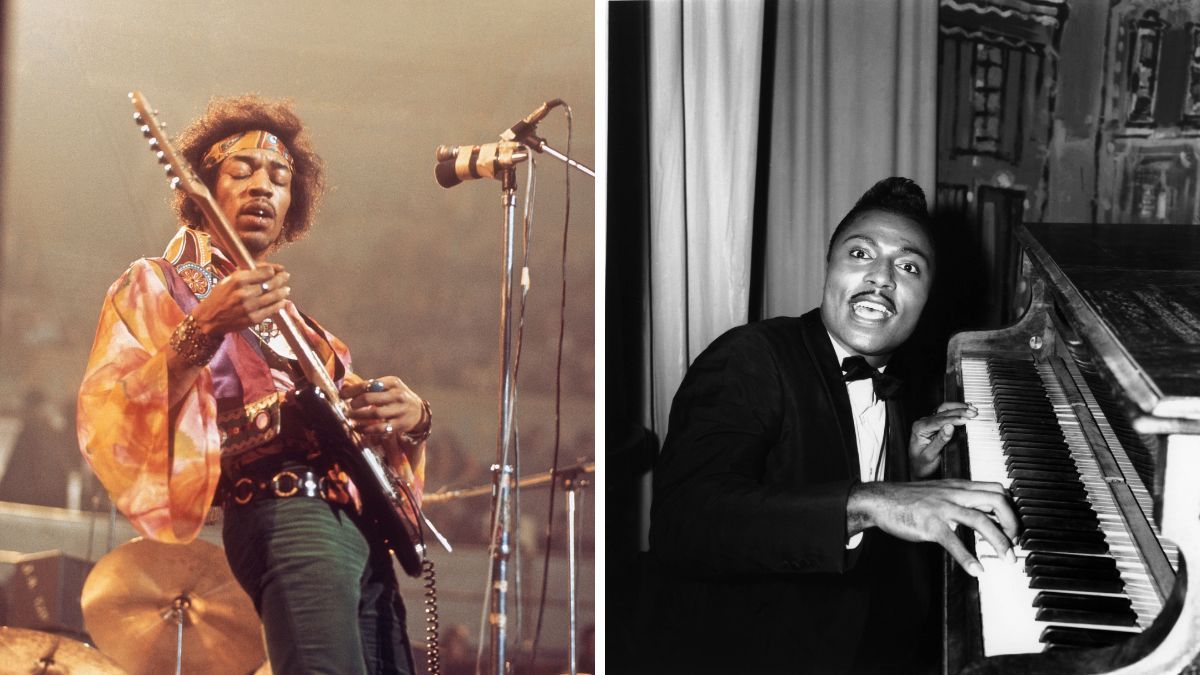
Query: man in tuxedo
791, 493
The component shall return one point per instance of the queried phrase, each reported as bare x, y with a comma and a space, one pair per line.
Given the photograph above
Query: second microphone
457, 163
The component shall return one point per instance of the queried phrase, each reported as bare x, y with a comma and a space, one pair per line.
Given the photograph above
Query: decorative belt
296, 481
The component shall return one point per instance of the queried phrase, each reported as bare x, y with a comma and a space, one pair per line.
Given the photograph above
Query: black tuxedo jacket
749, 567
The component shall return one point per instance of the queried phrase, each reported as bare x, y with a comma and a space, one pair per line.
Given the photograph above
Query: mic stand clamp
524, 134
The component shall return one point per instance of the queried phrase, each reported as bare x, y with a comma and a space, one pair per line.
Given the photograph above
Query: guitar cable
433, 656
429, 582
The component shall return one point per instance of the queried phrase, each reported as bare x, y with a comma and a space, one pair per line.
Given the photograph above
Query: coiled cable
432, 653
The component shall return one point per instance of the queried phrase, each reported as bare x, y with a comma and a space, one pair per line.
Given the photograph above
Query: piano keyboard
1078, 580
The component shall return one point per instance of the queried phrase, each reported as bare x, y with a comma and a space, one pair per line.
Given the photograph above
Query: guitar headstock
177, 168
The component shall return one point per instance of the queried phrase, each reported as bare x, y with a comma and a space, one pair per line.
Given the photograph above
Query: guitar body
382, 507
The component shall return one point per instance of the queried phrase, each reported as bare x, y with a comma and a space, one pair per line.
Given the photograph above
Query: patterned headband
245, 140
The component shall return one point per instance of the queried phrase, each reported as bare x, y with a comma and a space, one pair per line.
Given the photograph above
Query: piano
1089, 413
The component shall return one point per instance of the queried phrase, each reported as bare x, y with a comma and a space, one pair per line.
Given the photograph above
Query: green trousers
327, 597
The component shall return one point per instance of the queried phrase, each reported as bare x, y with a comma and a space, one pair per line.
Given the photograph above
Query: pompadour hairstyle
898, 195
227, 116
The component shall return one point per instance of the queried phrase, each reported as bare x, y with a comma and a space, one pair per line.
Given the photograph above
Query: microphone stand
502, 470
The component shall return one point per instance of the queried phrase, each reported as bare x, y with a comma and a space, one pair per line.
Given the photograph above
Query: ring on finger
265, 287
375, 386
388, 430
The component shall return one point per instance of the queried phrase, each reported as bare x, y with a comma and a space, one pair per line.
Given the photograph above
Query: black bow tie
857, 368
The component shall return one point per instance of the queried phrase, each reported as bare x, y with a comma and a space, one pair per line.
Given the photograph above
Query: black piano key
1072, 572
1019, 405
1040, 420
1051, 523
1079, 514
1028, 450
1031, 437
1061, 546
1048, 495
1008, 362
1070, 487
1015, 405
1035, 440
1096, 618
1031, 392
1031, 410
1051, 504
1038, 432
1076, 584
1063, 560
1091, 603
1025, 434
1020, 383
1050, 476
1039, 463
1064, 636
1062, 535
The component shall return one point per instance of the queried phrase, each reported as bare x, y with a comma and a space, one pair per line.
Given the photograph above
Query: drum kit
150, 608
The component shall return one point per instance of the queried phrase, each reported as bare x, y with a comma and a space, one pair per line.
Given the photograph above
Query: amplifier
43, 590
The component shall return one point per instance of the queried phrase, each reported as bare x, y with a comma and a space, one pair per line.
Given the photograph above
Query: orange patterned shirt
161, 470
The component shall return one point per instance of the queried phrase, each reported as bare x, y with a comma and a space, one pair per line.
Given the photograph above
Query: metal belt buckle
243, 491
277, 484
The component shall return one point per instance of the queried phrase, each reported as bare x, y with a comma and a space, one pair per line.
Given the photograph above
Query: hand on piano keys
931, 510
930, 435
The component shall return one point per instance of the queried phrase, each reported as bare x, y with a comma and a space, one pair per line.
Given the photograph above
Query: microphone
523, 131
457, 163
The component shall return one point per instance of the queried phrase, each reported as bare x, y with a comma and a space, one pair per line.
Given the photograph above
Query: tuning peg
146, 130
162, 157
137, 118
175, 183
169, 170
153, 143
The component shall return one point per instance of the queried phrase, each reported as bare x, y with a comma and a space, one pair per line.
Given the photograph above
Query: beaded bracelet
414, 437
194, 345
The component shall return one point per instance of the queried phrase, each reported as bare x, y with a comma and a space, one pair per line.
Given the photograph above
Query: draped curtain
838, 95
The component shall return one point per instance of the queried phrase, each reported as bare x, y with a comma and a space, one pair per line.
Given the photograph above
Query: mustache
875, 296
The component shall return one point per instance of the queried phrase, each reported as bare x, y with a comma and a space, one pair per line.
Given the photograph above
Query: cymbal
135, 594
34, 652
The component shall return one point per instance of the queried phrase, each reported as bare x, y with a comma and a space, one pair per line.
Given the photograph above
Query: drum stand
178, 613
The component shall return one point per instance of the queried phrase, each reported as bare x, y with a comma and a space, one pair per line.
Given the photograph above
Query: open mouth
871, 310
260, 211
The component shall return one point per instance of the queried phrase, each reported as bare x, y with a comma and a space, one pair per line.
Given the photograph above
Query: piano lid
1133, 293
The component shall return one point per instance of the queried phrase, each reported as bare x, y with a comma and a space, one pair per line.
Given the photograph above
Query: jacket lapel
820, 350
897, 444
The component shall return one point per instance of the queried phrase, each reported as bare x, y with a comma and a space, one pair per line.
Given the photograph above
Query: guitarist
188, 400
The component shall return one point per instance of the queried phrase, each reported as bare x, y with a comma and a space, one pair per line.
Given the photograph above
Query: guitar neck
187, 180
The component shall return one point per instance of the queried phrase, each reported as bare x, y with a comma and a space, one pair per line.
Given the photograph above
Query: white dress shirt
870, 424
